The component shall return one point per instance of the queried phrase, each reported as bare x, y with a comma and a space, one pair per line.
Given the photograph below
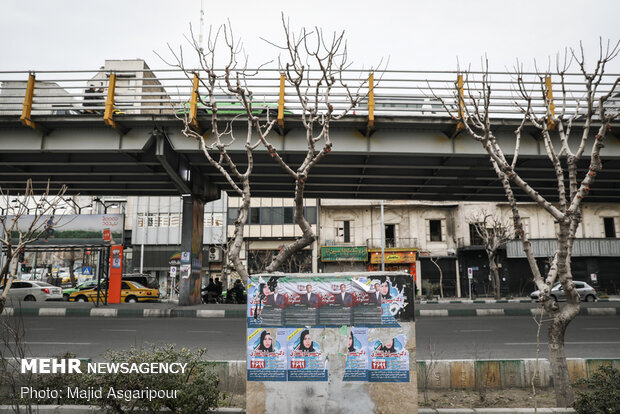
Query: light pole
76, 205
113, 204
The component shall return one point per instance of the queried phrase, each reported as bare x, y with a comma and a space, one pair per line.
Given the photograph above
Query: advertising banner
305, 359
76, 229
344, 253
266, 354
389, 360
284, 301
357, 355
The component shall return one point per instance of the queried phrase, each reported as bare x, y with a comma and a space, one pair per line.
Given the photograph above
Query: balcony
400, 243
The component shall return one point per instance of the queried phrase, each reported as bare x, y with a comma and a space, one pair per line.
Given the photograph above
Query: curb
494, 410
127, 313
240, 314
471, 301
84, 409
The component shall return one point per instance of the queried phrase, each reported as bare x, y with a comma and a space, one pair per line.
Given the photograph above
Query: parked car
89, 284
131, 292
32, 290
144, 279
586, 292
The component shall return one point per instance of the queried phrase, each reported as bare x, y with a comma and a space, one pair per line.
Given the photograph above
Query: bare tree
434, 260
474, 111
232, 83
308, 54
21, 228
495, 232
314, 65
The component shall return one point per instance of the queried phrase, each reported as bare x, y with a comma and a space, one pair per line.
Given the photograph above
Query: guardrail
395, 93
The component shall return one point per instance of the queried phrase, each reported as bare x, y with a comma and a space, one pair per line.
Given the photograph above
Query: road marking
433, 312
214, 332
52, 311
475, 330
40, 329
58, 343
208, 313
119, 330
566, 343
601, 329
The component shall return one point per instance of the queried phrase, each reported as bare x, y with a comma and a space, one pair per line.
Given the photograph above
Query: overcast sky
81, 34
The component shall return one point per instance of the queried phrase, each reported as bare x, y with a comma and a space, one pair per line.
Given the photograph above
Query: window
474, 238
610, 227
344, 231
310, 214
273, 215
289, 215
434, 230
159, 220
390, 235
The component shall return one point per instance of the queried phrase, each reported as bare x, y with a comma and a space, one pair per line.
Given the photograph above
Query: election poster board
329, 301
288, 312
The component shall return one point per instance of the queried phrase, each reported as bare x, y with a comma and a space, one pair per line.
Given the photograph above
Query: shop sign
344, 253
393, 257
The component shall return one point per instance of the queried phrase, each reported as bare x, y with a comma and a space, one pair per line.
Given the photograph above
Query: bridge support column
190, 276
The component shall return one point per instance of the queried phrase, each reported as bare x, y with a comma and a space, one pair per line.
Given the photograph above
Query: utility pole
382, 239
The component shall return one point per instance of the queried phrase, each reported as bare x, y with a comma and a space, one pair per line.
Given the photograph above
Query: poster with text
389, 360
329, 301
357, 355
306, 361
266, 354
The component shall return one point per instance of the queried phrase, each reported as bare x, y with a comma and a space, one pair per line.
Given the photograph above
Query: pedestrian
474, 289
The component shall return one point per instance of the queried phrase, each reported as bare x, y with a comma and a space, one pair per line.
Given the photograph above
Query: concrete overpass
404, 158
411, 151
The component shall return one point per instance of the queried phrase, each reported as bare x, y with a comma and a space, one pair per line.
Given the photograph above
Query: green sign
344, 253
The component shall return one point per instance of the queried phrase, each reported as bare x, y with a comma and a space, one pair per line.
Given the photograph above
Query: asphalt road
443, 337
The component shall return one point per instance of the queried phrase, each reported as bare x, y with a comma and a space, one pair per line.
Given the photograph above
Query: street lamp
114, 204
76, 205
21, 203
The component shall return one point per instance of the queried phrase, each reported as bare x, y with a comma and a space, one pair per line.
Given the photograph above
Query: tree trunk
494, 271
307, 237
564, 396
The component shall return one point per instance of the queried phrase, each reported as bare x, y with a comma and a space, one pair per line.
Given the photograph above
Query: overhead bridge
124, 137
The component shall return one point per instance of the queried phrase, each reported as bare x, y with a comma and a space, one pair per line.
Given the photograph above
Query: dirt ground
512, 398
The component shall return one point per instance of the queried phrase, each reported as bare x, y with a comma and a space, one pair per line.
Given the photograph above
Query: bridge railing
396, 93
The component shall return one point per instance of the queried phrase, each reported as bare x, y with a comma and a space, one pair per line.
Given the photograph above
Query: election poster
357, 362
266, 354
306, 361
328, 301
389, 360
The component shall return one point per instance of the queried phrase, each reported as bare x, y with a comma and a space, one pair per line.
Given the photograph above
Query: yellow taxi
131, 292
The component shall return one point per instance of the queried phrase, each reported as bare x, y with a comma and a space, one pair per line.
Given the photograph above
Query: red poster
107, 235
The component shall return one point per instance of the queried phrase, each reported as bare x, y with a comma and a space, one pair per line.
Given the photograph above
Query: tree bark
564, 395
494, 271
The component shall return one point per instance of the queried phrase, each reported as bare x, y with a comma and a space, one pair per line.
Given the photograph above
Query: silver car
586, 292
32, 290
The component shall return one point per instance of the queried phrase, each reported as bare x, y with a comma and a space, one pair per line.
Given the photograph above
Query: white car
32, 290
586, 292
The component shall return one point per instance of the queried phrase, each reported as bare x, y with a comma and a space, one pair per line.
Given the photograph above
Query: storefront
396, 259
343, 258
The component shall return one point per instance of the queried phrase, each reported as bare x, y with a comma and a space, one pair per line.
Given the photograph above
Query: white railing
396, 93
